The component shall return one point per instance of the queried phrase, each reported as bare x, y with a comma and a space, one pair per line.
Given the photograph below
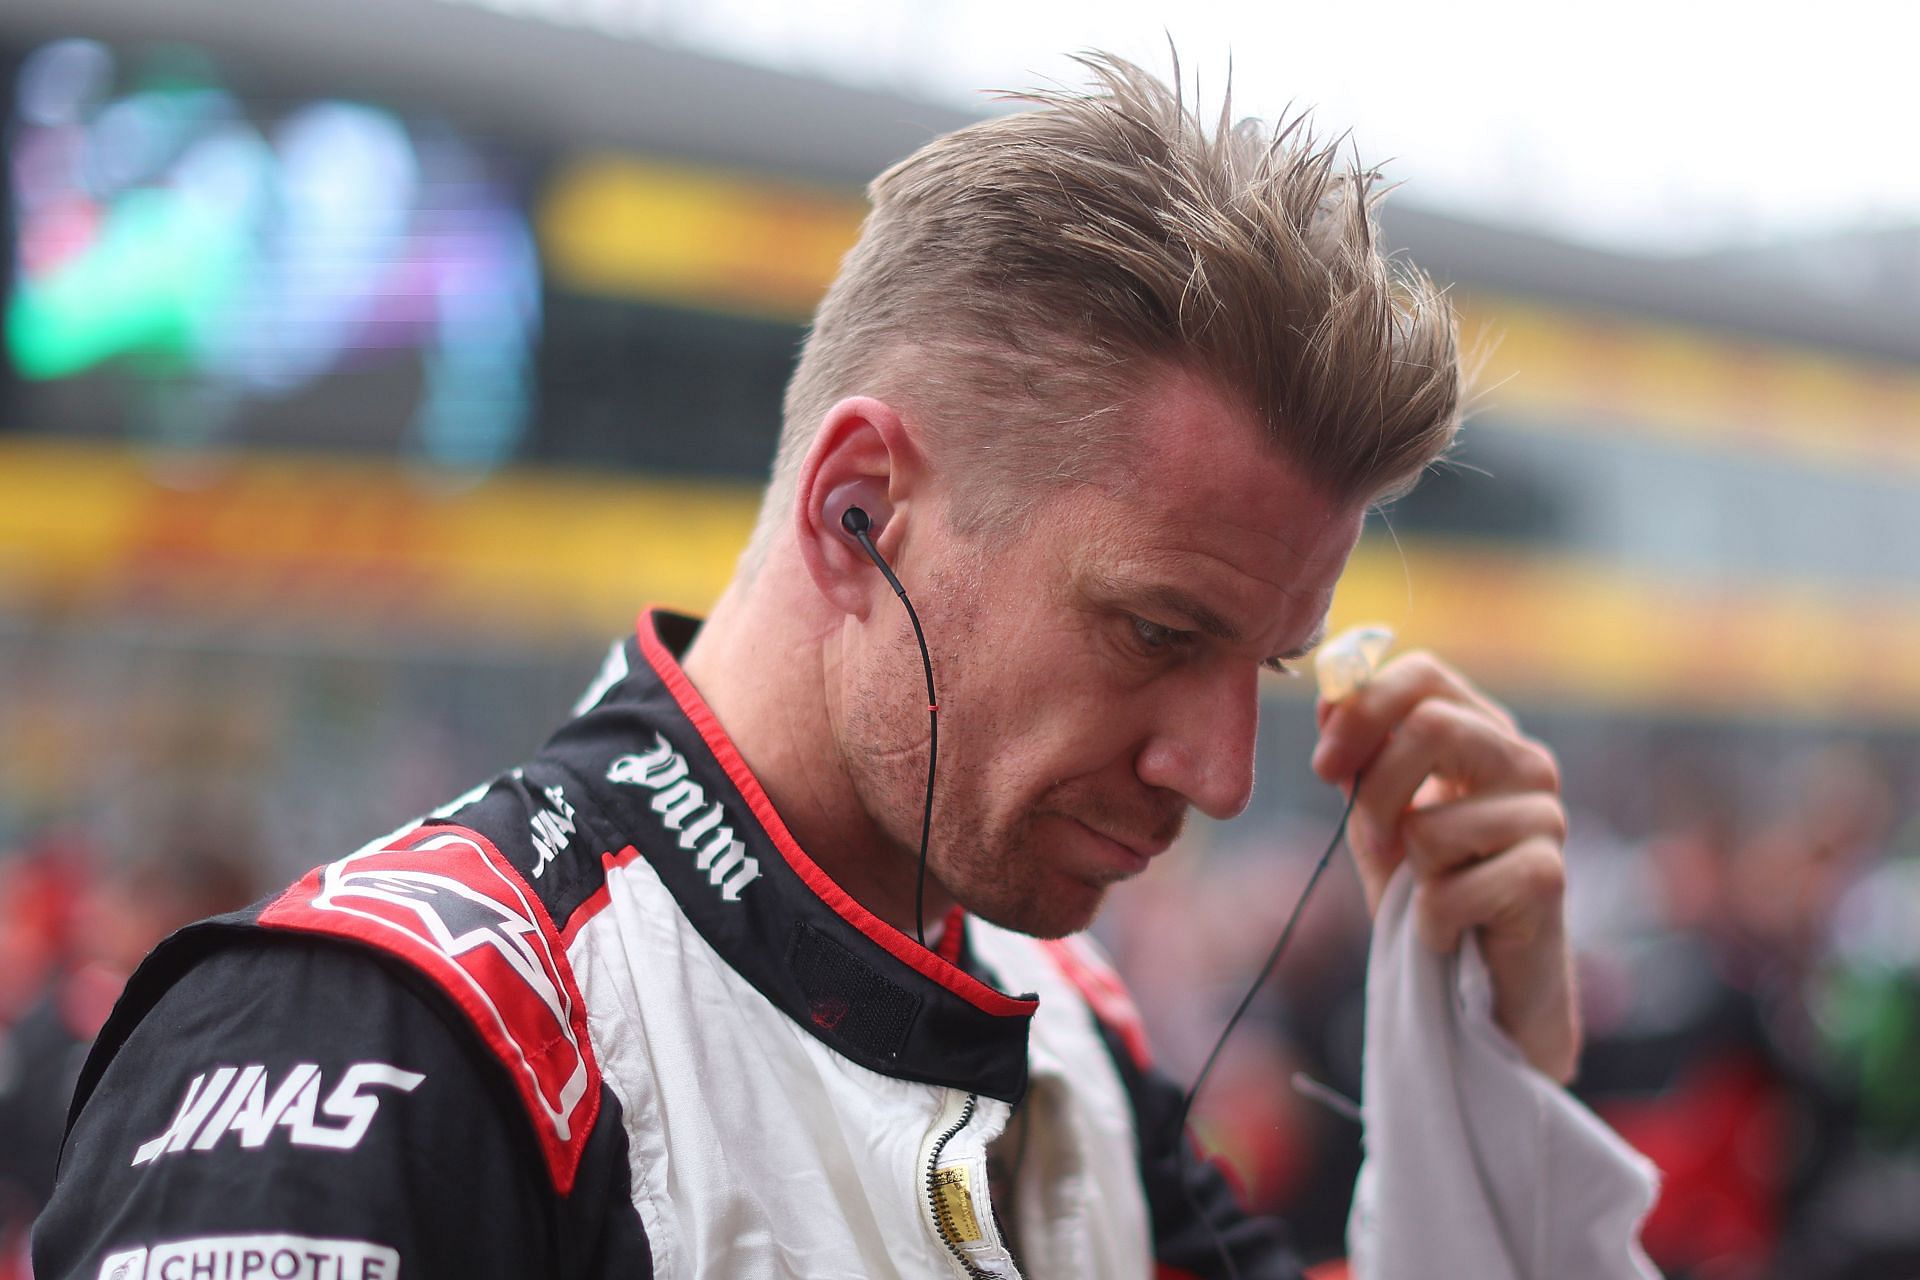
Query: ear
862, 457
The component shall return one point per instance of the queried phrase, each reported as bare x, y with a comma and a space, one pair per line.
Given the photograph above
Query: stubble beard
990, 865
994, 864
883, 753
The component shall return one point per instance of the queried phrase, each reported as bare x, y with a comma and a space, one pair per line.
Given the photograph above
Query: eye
1154, 638
1280, 667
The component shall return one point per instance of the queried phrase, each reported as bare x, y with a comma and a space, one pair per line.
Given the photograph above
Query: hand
1450, 785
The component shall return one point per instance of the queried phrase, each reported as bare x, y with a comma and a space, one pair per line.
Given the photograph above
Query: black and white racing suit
603, 1017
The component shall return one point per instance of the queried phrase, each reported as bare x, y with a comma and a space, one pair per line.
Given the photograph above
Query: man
1113, 397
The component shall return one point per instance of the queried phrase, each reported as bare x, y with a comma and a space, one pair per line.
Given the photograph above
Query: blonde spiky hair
1018, 279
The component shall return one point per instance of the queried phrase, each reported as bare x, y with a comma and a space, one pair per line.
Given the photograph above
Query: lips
1119, 858
1145, 848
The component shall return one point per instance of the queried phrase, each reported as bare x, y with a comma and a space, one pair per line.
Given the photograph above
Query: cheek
1031, 699
1055, 737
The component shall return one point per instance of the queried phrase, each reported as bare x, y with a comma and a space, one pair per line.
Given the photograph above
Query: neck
767, 662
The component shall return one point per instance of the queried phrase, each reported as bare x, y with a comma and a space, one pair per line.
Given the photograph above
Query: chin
1055, 915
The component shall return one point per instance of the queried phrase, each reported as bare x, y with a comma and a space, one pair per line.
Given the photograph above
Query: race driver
1112, 391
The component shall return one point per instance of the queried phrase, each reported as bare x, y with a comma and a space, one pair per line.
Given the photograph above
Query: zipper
941, 1198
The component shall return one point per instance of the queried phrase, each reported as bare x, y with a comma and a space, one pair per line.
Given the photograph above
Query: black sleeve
1196, 1215
295, 1109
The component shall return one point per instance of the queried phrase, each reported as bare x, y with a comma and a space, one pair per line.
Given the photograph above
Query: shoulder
430, 933
315, 1026
283, 1092
442, 903
265, 1084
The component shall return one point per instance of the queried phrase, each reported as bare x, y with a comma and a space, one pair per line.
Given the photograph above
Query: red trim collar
899, 945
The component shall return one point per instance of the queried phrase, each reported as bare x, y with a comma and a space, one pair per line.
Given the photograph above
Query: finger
1454, 743
1509, 897
1352, 730
1439, 742
1375, 855
1441, 838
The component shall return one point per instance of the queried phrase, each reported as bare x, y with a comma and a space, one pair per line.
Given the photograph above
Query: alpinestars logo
443, 899
237, 1100
684, 808
456, 918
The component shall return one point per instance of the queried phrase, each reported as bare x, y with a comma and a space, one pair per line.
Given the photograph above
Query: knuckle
1435, 675
1419, 849
1416, 828
1555, 820
1544, 872
1418, 660
1541, 767
1424, 670
1432, 723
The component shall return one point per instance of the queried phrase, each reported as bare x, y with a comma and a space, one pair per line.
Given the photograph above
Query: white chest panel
756, 1150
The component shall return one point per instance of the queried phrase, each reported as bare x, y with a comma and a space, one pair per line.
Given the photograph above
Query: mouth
1120, 858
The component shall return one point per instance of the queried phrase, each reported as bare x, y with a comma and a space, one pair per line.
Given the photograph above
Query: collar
664, 775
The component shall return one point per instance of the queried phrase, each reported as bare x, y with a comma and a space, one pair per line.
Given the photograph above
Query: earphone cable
1246, 1002
856, 522
933, 721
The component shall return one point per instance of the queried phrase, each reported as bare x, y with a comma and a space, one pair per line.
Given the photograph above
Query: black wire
933, 737
920, 887
1246, 1002
926, 813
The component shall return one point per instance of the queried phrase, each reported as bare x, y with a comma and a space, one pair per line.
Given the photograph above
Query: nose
1202, 744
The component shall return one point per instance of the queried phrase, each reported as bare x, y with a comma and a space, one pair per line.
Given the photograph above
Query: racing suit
603, 1016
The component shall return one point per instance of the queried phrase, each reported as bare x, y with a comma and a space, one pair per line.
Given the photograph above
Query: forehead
1203, 504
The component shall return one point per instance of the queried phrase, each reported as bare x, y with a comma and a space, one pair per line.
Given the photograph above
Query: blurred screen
199, 263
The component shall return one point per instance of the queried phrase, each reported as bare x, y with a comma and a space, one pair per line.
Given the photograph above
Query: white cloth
1478, 1167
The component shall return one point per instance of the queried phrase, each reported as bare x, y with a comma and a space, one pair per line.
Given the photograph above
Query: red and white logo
444, 899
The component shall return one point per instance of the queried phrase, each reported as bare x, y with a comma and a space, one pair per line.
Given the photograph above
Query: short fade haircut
1018, 279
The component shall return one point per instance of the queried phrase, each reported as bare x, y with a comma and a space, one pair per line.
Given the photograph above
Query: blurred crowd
1749, 971
75, 919
1750, 981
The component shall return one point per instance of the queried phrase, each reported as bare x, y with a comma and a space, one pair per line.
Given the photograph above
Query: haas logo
444, 899
237, 1100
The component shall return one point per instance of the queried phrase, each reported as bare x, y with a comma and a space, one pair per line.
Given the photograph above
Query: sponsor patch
244, 1102
129, 1265
443, 899
553, 826
701, 824
256, 1257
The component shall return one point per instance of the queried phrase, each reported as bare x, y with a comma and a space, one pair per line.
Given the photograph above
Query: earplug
1347, 662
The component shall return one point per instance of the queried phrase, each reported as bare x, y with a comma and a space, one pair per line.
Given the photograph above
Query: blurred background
365, 368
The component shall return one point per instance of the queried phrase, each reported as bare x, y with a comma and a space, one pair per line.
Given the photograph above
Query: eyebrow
1193, 610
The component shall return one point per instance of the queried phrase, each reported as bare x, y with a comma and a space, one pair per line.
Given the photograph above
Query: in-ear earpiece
854, 521
858, 506
854, 500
